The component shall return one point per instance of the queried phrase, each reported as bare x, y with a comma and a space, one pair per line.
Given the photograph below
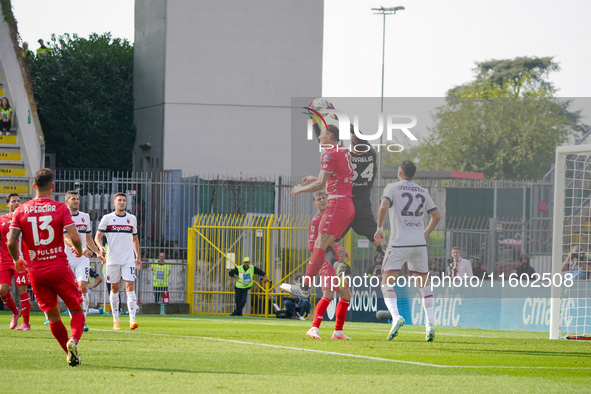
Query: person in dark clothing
245, 279
525, 268
477, 268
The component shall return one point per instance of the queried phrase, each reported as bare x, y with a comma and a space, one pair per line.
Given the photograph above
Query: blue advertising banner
502, 308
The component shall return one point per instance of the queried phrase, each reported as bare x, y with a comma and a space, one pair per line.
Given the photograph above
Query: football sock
9, 302
428, 303
114, 298
341, 314
131, 305
85, 303
77, 325
390, 300
315, 264
319, 311
60, 332
26, 307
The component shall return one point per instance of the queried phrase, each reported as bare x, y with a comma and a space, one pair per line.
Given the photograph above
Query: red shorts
47, 287
7, 272
336, 218
326, 274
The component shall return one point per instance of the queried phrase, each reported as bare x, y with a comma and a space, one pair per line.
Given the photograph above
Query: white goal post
570, 307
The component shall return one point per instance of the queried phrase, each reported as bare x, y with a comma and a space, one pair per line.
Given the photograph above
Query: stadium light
383, 11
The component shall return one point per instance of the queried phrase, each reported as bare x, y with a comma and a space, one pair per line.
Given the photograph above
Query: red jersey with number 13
42, 222
337, 161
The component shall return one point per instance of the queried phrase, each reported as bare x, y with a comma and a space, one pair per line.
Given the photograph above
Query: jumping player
407, 203
7, 271
120, 227
42, 222
336, 175
81, 264
327, 272
363, 160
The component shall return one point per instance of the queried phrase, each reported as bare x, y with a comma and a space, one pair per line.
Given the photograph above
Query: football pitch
182, 353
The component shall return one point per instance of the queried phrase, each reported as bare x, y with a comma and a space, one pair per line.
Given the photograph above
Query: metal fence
168, 203
218, 243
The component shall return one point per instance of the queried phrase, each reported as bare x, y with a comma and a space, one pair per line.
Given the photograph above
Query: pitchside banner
507, 308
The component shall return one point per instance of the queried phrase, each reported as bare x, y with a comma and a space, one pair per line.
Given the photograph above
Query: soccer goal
570, 308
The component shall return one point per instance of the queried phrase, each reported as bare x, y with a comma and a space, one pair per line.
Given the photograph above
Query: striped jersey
83, 225
119, 231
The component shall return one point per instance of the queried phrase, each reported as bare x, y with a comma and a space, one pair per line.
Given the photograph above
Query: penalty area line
349, 355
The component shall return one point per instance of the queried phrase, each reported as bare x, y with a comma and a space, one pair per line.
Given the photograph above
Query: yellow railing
217, 243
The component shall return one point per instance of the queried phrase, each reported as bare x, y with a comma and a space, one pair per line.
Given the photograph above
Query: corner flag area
185, 353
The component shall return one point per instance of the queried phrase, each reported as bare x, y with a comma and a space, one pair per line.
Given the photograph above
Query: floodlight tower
383, 11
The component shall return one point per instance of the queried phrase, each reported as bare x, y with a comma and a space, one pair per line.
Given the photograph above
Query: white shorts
81, 270
117, 272
415, 255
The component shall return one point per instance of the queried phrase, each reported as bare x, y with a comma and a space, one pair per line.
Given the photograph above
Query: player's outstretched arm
382, 210
72, 232
136, 250
309, 179
435, 218
318, 184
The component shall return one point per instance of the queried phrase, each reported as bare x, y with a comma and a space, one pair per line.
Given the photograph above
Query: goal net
570, 311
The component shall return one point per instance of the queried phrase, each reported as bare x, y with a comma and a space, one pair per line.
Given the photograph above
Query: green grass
211, 353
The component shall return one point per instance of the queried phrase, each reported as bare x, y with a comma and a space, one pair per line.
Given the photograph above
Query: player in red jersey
7, 271
42, 222
336, 174
327, 272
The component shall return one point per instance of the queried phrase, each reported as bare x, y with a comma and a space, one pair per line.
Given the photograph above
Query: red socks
315, 264
60, 332
9, 302
341, 314
319, 311
77, 325
25, 307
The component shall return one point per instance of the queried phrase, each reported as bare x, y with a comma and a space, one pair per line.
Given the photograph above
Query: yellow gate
218, 243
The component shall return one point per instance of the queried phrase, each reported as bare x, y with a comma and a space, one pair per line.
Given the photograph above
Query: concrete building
214, 82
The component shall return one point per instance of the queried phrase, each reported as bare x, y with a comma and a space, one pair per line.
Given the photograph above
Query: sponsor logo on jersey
119, 229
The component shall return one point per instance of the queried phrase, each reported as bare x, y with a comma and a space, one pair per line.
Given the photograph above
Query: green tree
84, 90
505, 123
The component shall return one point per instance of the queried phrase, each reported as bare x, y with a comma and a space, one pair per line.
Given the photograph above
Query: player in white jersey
407, 203
120, 228
80, 264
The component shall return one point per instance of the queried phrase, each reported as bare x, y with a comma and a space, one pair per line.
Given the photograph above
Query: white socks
85, 303
390, 300
131, 305
428, 303
114, 298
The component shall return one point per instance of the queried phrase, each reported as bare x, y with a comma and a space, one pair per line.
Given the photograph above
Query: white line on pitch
348, 328
336, 353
